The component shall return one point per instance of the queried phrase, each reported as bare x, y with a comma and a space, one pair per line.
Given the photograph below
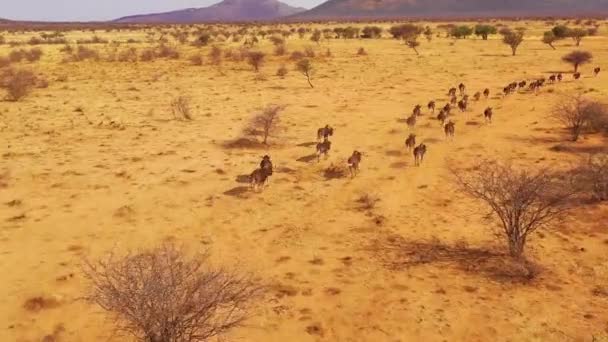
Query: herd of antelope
260, 176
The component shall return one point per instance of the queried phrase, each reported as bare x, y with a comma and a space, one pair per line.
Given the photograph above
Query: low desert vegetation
166, 294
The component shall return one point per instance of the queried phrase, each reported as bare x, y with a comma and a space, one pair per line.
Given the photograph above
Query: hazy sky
87, 10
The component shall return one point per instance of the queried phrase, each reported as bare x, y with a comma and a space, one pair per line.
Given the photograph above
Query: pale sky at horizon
92, 10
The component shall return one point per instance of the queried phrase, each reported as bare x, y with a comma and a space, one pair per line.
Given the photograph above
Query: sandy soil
76, 187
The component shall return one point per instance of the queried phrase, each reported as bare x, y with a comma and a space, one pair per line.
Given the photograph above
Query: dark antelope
442, 116
410, 142
462, 88
419, 153
411, 121
353, 163
450, 129
323, 149
431, 106
325, 132
486, 93
258, 178
488, 114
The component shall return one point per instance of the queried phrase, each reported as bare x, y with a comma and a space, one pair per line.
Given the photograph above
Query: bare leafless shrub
165, 295
266, 123
180, 108
17, 83
578, 114
593, 176
147, 55
67, 49
282, 71
296, 55
93, 40
4, 62
256, 59
280, 50
16, 56
523, 201
196, 59
165, 51
215, 55
83, 53
33, 55
309, 52
128, 55
367, 202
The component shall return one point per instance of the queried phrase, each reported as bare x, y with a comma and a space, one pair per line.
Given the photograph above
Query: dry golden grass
119, 172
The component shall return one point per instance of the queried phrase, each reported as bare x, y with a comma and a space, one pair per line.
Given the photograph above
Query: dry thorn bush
282, 71
593, 176
17, 83
180, 108
579, 115
164, 294
196, 60
522, 201
266, 123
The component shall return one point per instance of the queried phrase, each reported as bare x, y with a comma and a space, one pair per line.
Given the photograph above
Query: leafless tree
304, 66
523, 201
576, 113
165, 295
266, 123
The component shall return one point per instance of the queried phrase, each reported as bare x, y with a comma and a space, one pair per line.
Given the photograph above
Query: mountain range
225, 11
341, 9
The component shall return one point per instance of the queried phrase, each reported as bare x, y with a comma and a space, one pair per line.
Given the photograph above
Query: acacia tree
484, 31
522, 201
513, 39
266, 123
577, 58
577, 35
164, 295
462, 31
304, 66
549, 38
408, 33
